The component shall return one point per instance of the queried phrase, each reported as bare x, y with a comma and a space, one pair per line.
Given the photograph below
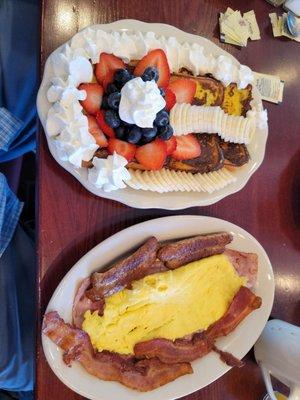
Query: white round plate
206, 369
146, 199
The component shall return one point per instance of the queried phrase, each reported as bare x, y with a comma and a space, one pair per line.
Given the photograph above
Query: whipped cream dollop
109, 173
258, 115
140, 102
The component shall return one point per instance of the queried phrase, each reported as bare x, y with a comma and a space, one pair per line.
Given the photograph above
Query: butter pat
167, 305
270, 87
252, 25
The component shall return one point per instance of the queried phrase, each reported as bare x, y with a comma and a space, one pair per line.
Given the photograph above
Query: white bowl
146, 199
206, 369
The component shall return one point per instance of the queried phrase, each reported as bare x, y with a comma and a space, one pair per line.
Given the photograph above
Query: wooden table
71, 221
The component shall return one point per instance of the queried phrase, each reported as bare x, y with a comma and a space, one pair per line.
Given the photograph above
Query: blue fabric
17, 314
10, 210
19, 25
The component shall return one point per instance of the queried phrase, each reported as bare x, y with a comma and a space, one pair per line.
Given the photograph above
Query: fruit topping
170, 98
165, 132
122, 76
120, 132
112, 118
106, 67
122, 148
152, 155
134, 134
155, 58
184, 89
150, 74
113, 100
107, 130
187, 148
111, 88
171, 145
94, 93
149, 134
162, 118
95, 130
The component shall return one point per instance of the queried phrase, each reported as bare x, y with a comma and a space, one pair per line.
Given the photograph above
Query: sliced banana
185, 119
166, 180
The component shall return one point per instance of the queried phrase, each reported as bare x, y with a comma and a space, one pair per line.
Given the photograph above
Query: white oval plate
206, 369
146, 199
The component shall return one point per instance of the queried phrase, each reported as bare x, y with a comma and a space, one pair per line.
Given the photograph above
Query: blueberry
162, 92
122, 76
104, 103
150, 74
120, 132
113, 100
112, 118
166, 132
162, 118
111, 88
149, 133
134, 135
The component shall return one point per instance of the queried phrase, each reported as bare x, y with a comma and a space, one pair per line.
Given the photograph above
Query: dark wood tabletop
71, 221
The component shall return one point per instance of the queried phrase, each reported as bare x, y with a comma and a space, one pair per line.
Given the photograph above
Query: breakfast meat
82, 303
210, 159
132, 268
142, 375
176, 254
246, 264
187, 350
235, 154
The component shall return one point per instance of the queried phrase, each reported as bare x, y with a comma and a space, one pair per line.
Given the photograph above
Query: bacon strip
82, 303
246, 264
142, 375
176, 254
187, 350
123, 273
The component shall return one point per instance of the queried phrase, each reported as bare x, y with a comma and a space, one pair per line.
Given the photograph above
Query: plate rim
134, 229
138, 198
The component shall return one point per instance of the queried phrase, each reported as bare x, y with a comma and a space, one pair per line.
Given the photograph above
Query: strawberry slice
124, 149
103, 125
94, 93
170, 98
152, 155
184, 89
95, 130
187, 148
171, 145
155, 58
106, 67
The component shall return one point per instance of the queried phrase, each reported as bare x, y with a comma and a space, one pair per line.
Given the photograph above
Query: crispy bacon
123, 273
187, 350
142, 375
246, 264
82, 303
178, 253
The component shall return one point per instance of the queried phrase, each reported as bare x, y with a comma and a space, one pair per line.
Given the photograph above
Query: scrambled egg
167, 305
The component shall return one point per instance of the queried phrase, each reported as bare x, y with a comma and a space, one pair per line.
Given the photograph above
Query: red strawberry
124, 149
103, 125
96, 131
106, 67
155, 58
94, 93
184, 89
171, 145
187, 148
170, 99
152, 155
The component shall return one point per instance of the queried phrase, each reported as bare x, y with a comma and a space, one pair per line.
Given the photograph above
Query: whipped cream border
70, 68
